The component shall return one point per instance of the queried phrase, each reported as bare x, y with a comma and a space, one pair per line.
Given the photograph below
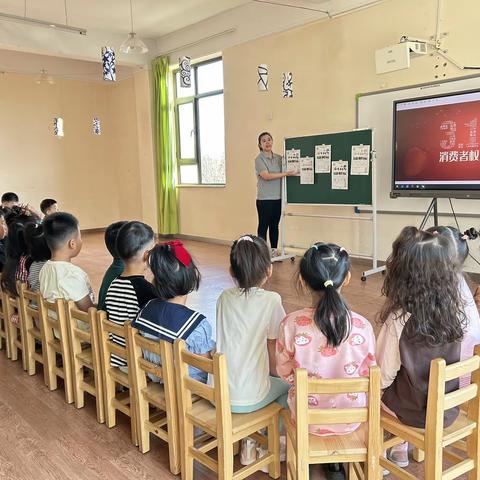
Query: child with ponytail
327, 338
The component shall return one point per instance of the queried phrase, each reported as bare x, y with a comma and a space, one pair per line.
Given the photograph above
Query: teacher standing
268, 167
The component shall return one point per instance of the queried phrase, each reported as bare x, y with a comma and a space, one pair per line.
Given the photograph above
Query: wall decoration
108, 62
262, 81
287, 85
185, 72
58, 127
97, 128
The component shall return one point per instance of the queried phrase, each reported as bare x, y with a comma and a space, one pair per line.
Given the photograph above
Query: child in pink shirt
328, 339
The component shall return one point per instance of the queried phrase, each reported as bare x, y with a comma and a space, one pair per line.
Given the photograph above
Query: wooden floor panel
41, 437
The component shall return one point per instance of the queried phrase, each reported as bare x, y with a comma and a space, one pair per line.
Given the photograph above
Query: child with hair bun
326, 338
248, 318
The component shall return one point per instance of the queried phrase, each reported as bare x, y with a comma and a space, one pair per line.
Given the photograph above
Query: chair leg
225, 461
110, 412
133, 418
274, 447
351, 472
79, 394
68, 381
13, 335
433, 463
418, 455
290, 457
30, 349
187, 443
473, 452
99, 397
143, 416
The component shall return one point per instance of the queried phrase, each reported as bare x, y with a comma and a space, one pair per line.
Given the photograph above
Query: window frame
194, 99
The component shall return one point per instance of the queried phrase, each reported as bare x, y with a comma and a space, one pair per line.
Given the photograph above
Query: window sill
192, 185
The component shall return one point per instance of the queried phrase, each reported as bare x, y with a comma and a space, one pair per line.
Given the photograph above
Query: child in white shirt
248, 319
59, 278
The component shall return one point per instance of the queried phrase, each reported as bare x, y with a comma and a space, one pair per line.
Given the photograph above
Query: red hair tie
181, 254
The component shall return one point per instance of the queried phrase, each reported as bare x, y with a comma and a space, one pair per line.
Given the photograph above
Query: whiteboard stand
372, 218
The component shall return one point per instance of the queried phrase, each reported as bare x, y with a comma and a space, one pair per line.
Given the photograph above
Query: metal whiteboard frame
372, 218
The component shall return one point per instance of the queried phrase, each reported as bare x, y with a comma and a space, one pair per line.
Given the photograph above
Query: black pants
269, 212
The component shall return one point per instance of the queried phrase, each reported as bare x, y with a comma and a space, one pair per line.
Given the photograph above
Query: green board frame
359, 186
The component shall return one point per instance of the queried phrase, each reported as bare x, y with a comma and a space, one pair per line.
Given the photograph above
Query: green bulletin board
359, 186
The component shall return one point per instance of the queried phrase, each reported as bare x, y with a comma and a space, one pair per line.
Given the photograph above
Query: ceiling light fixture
44, 78
133, 44
64, 27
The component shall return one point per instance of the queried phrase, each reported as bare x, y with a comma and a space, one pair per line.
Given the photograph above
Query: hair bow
181, 254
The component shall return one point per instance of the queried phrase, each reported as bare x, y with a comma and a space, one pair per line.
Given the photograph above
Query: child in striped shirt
129, 292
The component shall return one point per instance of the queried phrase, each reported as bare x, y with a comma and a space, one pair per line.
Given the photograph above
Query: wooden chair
85, 356
362, 445
218, 421
434, 438
16, 331
149, 394
113, 376
34, 338
57, 347
4, 331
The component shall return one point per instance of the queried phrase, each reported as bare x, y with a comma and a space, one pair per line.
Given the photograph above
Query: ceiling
152, 18
166, 25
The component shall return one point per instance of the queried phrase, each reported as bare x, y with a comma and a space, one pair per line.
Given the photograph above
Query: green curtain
165, 163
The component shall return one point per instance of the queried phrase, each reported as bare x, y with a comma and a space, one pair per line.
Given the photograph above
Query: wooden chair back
150, 393
212, 414
113, 376
15, 326
85, 356
433, 441
32, 306
341, 448
57, 346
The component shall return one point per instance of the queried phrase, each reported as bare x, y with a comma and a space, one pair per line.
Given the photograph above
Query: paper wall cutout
58, 127
97, 128
262, 81
108, 62
185, 72
287, 85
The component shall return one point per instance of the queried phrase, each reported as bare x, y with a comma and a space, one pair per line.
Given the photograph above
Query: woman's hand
291, 173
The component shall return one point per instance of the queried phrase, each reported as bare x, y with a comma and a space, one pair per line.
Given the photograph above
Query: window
200, 132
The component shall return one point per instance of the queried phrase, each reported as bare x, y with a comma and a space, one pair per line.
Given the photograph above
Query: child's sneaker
399, 455
261, 452
248, 451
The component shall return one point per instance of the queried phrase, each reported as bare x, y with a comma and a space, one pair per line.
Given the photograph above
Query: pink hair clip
465, 237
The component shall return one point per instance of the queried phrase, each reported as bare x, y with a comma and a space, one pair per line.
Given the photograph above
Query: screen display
436, 145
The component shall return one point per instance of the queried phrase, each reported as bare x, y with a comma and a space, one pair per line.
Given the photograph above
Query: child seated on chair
423, 318
167, 317
17, 262
48, 206
3, 236
39, 253
248, 318
116, 267
59, 277
129, 292
327, 338
458, 253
